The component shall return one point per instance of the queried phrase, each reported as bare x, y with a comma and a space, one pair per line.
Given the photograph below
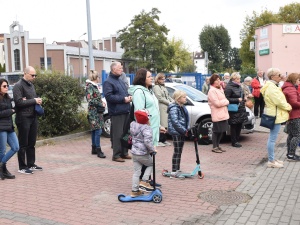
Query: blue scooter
155, 195
182, 175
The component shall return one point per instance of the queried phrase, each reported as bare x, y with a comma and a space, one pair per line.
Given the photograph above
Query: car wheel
106, 126
205, 131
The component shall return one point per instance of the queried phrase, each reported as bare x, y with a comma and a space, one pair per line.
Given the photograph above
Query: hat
141, 116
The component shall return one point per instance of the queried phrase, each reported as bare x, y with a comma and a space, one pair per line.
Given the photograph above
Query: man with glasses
25, 99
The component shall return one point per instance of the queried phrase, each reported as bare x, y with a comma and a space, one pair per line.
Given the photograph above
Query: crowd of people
155, 114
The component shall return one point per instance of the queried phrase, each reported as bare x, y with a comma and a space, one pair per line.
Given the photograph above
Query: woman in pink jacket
219, 113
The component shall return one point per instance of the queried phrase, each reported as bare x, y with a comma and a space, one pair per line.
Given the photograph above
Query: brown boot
100, 153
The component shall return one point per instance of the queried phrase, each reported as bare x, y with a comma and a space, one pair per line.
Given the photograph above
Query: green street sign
264, 52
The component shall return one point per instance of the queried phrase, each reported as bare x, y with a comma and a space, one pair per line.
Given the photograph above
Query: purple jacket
142, 143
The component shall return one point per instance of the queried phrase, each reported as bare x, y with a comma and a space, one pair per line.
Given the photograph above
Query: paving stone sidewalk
79, 188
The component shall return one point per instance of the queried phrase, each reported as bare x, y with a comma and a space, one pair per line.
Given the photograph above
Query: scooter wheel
157, 198
120, 196
201, 176
164, 172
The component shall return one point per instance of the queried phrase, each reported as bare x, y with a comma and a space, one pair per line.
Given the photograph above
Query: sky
64, 20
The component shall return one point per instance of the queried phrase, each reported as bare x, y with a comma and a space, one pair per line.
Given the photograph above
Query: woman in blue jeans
7, 134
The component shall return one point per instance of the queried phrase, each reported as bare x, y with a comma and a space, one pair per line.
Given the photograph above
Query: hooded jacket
142, 143
178, 119
142, 96
293, 98
274, 98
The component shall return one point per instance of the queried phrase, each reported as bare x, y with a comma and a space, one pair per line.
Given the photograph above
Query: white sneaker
25, 171
279, 161
274, 165
167, 143
160, 144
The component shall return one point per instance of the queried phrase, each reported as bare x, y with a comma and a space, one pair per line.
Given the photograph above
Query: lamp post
80, 55
255, 50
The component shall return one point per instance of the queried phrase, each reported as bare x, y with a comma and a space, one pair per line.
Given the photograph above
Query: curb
60, 138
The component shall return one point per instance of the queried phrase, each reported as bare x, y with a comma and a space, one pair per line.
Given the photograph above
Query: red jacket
293, 98
256, 87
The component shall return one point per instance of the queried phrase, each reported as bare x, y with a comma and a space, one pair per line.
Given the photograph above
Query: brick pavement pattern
79, 188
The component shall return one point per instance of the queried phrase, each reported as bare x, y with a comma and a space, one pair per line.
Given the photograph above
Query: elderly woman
235, 95
292, 96
219, 113
276, 105
205, 86
246, 86
164, 99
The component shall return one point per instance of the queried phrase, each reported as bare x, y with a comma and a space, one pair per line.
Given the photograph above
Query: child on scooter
178, 124
142, 146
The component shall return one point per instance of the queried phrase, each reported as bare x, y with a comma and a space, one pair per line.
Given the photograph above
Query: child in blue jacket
178, 124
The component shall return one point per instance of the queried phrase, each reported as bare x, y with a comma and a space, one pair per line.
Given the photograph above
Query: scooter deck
155, 196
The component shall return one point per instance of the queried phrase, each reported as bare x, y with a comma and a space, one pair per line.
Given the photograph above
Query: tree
145, 42
181, 58
232, 60
290, 13
216, 41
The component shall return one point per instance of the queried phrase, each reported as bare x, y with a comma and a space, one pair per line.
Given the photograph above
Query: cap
141, 116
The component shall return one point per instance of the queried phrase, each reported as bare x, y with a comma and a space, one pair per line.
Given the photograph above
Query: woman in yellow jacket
276, 105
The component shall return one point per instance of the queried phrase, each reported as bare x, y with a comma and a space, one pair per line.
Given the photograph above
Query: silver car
200, 113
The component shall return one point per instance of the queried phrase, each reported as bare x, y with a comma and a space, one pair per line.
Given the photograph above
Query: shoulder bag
268, 121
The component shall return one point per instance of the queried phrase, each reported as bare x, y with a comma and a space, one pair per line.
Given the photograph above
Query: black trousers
235, 130
27, 132
259, 103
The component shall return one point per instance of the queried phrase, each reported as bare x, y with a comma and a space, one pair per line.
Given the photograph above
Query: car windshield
193, 93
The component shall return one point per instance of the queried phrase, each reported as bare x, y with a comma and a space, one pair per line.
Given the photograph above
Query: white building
200, 62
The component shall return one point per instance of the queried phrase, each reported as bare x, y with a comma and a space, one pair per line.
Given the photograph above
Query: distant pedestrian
142, 147
257, 83
292, 96
178, 125
225, 80
164, 99
25, 99
276, 105
95, 111
219, 112
118, 102
7, 133
205, 86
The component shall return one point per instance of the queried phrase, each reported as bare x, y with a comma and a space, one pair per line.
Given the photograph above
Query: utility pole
88, 14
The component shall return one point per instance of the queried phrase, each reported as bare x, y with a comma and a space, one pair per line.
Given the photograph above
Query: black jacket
24, 89
233, 92
115, 92
6, 111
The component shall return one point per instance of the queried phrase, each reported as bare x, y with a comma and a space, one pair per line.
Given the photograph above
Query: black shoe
1, 171
237, 145
100, 153
6, 173
156, 184
35, 167
293, 158
94, 151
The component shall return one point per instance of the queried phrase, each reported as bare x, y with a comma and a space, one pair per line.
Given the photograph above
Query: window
49, 63
17, 60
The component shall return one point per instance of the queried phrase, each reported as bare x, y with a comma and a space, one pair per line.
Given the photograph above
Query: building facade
277, 45
71, 58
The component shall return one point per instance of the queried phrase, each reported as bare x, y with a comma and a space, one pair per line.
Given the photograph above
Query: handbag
268, 121
233, 107
39, 110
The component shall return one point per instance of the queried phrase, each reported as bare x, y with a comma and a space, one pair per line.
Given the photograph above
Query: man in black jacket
26, 120
118, 102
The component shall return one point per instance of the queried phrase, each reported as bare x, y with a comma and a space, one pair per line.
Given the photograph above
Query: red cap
141, 116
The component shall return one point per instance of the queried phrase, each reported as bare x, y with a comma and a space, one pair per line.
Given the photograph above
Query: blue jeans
96, 137
11, 139
271, 141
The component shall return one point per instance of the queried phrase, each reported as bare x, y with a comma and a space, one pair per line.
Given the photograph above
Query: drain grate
224, 197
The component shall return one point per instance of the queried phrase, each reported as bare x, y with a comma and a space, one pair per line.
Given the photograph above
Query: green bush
62, 97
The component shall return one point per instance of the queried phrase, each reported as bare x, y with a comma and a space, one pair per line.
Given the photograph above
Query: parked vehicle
199, 112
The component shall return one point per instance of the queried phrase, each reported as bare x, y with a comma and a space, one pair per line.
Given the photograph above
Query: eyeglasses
5, 86
33, 75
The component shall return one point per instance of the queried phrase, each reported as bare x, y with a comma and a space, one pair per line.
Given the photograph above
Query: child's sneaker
136, 193
145, 186
175, 175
